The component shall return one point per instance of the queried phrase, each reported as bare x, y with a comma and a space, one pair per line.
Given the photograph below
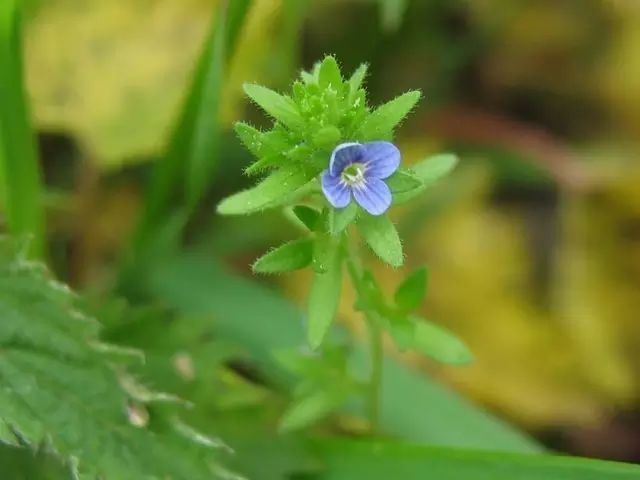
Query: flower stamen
353, 175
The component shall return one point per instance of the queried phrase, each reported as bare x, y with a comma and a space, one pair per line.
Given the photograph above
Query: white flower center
353, 175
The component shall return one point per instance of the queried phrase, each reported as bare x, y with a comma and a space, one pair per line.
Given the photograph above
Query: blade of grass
20, 177
381, 460
182, 175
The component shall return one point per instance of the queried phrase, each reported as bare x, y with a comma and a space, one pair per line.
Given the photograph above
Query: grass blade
20, 177
354, 460
189, 164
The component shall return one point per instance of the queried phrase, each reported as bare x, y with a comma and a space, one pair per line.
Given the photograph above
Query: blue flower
359, 170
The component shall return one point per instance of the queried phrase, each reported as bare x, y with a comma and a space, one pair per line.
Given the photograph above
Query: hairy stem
375, 337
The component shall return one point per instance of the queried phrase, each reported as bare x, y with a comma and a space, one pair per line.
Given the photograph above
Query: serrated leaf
308, 410
381, 235
403, 181
438, 343
341, 218
428, 171
291, 256
411, 292
24, 463
307, 215
281, 108
57, 387
276, 189
385, 118
324, 297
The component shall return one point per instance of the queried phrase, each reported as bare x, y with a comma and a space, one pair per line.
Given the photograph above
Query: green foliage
341, 218
325, 386
62, 386
428, 172
20, 182
384, 119
381, 235
412, 290
307, 215
355, 460
322, 111
275, 190
325, 293
20, 463
308, 409
281, 108
437, 343
191, 157
196, 285
286, 258
404, 181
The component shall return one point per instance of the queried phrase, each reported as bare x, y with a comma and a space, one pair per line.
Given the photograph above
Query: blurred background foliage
533, 245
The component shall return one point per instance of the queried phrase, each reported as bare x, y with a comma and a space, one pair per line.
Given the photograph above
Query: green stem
375, 381
375, 337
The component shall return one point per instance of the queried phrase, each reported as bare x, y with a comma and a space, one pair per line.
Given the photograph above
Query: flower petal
381, 159
343, 156
374, 196
336, 191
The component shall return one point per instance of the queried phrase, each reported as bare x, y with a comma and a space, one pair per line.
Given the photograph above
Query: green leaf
307, 215
381, 122
434, 168
381, 460
192, 154
381, 235
411, 292
58, 386
22, 463
309, 409
403, 181
196, 285
324, 296
340, 218
329, 74
20, 176
236, 12
278, 106
277, 189
428, 171
438, 343
263, 164
402, 330
327, 137
323, 249
286, 258
250, 137
356, 80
